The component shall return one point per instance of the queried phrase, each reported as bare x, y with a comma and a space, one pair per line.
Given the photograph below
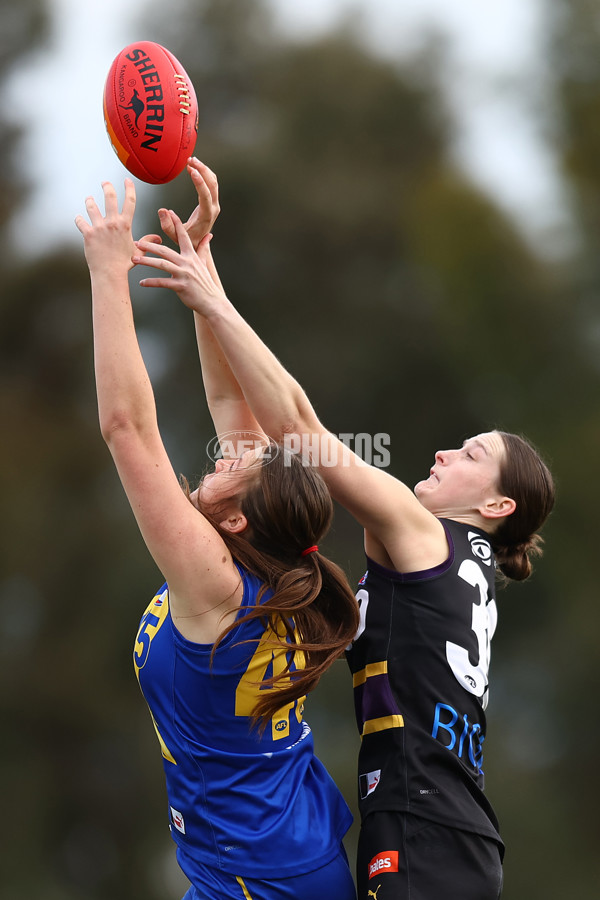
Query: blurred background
411, 217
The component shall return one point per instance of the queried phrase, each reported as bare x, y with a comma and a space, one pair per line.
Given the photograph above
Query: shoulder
461, 543
203, 622
410, 549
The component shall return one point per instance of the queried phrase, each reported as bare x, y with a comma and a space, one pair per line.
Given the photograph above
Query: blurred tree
408, 305
22, 29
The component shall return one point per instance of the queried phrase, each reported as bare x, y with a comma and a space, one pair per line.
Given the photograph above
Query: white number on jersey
363, 601
485, 617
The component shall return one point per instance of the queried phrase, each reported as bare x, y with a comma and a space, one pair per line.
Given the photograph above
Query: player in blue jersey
249, 617
420, 660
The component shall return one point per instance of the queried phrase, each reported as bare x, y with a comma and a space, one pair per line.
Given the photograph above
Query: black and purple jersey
420, 666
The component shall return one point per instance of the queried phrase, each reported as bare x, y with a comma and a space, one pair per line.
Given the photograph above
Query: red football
150, 112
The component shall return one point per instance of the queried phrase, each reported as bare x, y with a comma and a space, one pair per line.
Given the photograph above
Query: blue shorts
333, 880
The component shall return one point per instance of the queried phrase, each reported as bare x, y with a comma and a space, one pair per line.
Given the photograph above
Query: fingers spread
183, 238
158, 249
92, 210
166, 224
156, 282
110, 199
129, 191
198, 170
129, 201
81, 224
151, 239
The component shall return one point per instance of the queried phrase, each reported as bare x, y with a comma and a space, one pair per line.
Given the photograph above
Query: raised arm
184, 545
399, 530
235, 424
234, 421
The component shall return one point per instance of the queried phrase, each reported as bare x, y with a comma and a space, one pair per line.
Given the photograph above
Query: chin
420, 489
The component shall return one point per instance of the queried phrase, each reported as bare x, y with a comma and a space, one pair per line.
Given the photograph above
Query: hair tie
308, 550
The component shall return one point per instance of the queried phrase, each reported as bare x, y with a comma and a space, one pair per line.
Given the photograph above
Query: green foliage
406, 303
22, 28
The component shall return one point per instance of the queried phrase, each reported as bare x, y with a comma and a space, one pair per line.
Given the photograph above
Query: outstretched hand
203, 218
107, 238
192, 272
108, 241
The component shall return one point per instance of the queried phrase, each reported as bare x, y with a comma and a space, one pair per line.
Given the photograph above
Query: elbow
300, 428
115, 424
289, 416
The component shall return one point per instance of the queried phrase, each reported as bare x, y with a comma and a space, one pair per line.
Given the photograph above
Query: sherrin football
150, 112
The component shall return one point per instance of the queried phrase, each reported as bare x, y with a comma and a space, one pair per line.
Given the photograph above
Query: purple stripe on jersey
374, 699
425, 574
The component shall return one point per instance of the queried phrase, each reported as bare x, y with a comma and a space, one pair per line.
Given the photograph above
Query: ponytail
515, 562
312, 611
527, 480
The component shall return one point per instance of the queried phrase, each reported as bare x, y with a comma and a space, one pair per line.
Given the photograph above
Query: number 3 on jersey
484, 619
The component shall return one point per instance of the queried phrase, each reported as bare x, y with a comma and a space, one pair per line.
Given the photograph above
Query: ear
498, 508
236, 522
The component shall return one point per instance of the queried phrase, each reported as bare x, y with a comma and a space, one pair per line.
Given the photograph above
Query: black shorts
404, 857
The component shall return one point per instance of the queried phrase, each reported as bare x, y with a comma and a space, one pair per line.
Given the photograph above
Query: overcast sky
494, 43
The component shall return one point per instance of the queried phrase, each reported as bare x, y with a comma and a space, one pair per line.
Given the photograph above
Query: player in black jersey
428, 612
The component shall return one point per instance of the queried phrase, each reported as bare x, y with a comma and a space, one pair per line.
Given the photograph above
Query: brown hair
525, 478
289, 508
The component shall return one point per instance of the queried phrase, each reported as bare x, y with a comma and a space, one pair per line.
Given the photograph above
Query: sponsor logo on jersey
480, 548
177, 820
384, 863
364, 578
368, 783
458, 734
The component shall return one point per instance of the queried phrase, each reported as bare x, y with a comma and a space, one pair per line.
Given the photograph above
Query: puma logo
371, 894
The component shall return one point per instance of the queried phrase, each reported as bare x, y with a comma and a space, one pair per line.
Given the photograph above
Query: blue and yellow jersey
244, 802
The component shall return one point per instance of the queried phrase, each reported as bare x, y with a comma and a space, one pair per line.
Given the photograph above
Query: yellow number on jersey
247, 694
152, 622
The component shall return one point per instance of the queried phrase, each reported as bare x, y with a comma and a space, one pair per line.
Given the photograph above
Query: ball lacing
184, 94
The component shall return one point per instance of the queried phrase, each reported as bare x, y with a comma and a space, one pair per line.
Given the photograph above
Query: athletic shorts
333, 881
404, 857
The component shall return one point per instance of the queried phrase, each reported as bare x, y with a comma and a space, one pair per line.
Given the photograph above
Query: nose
442, 457
219, 465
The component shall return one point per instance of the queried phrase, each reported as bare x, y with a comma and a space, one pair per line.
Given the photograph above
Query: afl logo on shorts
480, 548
